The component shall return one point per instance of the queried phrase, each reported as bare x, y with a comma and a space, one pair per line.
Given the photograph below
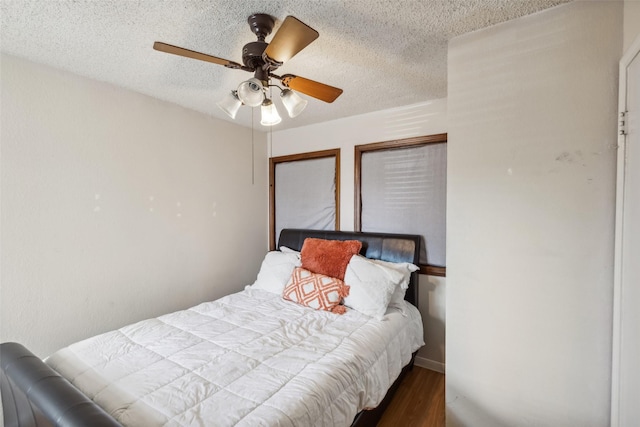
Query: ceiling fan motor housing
261, 25
252, 54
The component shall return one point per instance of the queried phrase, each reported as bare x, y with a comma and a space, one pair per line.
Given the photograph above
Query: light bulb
230, 104
293, 102
270, 114
250, 92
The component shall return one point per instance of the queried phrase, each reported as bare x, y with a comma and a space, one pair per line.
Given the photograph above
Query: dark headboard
384, 246
34, 395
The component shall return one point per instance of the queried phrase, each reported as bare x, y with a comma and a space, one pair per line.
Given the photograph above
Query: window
401, 188
304, 192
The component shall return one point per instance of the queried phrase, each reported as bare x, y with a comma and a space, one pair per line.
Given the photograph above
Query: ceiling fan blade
312, 88
175, 50
292, 36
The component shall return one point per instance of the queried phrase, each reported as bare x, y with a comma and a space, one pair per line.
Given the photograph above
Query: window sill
431, 270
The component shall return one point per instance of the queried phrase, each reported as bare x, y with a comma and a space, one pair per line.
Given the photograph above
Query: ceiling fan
262, 58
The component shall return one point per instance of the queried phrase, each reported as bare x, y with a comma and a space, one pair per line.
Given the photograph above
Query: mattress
247, 359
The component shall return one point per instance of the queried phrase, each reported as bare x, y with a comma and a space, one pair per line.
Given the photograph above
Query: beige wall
631, 22
532, 138
117, 207
413, 120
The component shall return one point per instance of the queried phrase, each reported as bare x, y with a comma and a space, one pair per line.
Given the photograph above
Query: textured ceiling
383, 53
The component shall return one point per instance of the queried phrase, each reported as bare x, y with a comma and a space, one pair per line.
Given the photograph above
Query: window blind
403, 190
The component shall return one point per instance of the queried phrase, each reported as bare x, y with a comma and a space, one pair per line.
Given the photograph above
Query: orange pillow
316, 290
328, 257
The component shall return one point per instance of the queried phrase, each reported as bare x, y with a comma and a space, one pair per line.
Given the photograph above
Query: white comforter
248, 359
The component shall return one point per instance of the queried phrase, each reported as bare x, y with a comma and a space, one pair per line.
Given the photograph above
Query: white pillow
404, 268
371, 286
289, 250
275, 271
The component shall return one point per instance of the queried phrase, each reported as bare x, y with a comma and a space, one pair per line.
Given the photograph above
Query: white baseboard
429, 364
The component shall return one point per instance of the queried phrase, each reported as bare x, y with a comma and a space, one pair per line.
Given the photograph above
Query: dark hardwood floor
419, 401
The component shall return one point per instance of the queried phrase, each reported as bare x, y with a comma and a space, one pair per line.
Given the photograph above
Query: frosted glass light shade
270, 114
293, 102
230, 104
250, 92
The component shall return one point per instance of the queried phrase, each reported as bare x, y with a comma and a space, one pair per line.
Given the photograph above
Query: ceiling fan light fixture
270, 114
251, 92
293, 102
230, 104
261, 59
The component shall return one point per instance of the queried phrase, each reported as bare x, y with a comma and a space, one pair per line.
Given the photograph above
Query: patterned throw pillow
316, 290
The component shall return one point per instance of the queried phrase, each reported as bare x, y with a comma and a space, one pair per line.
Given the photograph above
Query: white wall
413, 120
117, 207
531, 167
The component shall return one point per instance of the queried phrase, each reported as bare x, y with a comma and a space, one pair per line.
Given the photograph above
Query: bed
250, 358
